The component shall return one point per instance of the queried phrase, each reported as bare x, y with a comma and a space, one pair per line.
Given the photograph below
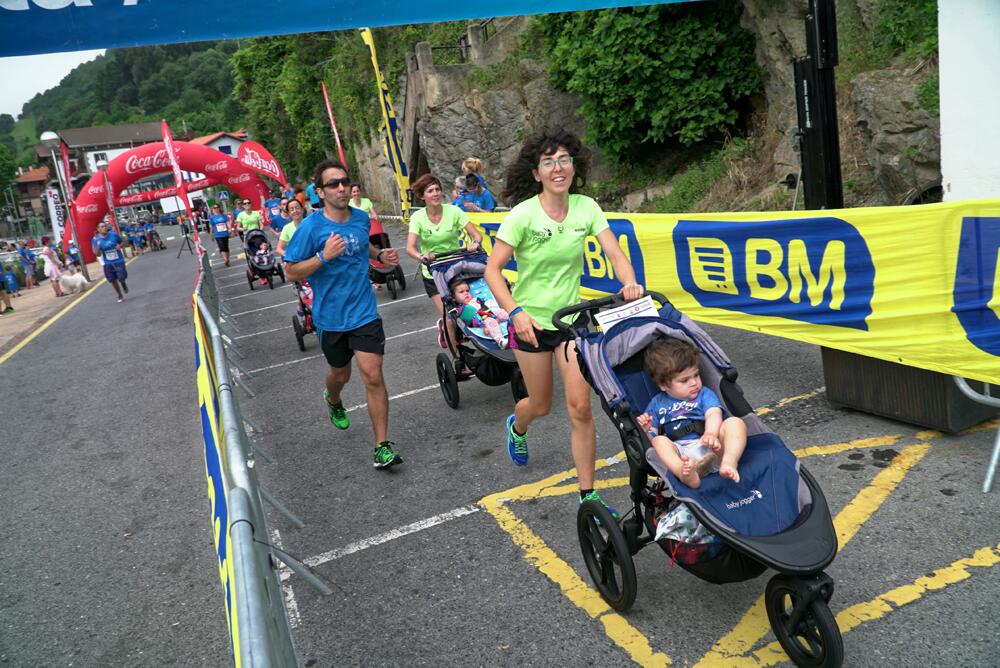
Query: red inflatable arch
149, 159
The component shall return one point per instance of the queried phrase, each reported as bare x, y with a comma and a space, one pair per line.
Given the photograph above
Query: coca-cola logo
158, 161
89, 208
131, 199
95, 190
242, 178
253, 160
219, 166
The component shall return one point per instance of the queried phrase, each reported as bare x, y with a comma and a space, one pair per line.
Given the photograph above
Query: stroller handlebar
596, 305
455, 252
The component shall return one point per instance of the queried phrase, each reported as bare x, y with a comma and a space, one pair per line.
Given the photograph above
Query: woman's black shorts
548, 340
429, 286
222, 243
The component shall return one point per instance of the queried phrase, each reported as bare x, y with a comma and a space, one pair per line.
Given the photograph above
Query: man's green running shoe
385, 456
338, 416
594, 496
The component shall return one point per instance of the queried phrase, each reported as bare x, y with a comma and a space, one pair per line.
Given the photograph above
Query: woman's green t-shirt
365, 205
444, 236
286, 232
549, 255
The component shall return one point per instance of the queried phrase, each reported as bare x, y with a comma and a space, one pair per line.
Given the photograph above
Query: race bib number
221, 227
111, 255
275, 211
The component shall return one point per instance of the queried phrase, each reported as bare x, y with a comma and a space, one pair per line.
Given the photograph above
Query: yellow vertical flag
390, 139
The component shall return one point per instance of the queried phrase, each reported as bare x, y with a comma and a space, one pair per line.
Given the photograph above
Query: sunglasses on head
333, 183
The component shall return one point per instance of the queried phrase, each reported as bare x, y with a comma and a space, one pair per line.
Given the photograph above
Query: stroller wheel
447, 379
802, 622
270, 281
517, 386
606, 554
400, 276
299, 332
250, 278
391, 284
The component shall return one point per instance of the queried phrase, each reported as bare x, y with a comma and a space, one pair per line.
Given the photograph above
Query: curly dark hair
520, 183
665, 358
423, 183
322, 167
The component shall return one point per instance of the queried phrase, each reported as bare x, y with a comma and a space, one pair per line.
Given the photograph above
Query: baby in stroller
261, 263
688, 432
477, 312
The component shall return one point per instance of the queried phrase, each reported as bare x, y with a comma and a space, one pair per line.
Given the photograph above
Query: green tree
7, 167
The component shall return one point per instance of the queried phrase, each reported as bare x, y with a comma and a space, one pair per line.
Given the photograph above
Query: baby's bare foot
729, 471
688, 475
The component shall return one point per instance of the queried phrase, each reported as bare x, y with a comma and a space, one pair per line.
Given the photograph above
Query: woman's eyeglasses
550, 163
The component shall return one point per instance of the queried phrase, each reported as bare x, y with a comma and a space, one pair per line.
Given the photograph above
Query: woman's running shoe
338, 416
517, 444
384, 456
594, 496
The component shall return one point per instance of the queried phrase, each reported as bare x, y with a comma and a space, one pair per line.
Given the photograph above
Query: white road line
284, 572
251, 294
264, 308
281, 364
390, 535
171, 238
416, 331
398, 396
404, 299
266, 331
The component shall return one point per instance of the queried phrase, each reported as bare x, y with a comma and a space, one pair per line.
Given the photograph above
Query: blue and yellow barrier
917, 285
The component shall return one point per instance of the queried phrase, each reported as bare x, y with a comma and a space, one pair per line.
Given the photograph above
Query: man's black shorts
339, 347
222, 243
548, 340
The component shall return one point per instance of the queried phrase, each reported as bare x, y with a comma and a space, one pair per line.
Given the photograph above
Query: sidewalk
34, 307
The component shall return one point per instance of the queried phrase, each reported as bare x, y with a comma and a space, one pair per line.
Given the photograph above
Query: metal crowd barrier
986, 399
248, 564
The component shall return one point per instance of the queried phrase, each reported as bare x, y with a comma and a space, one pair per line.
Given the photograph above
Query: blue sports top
107, 247
342, 295
220, 225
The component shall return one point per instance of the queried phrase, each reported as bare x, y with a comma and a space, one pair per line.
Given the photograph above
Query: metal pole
72, 220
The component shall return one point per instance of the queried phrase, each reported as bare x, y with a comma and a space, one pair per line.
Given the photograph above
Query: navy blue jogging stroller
775, 517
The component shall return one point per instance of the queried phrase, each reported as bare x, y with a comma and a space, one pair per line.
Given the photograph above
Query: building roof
33, 175
239, 135
130, 133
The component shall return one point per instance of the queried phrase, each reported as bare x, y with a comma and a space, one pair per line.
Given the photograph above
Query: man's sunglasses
333, 183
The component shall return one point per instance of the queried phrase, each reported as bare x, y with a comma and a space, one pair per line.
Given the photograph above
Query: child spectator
685, 420
10, 280
478, 313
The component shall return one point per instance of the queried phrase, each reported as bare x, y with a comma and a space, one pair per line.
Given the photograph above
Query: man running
108, 245
220, 231
332, 250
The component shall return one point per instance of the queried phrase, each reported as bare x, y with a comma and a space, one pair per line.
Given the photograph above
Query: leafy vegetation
677, 74
929, 95
902, 27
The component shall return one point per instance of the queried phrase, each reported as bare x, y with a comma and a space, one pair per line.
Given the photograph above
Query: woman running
545, 233
295, 215
436, 228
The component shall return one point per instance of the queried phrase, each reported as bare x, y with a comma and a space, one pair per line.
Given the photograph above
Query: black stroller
263, 268
379, 273
480, 354
775, 517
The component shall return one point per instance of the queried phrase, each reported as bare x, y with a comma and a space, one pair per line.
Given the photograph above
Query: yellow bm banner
918, 285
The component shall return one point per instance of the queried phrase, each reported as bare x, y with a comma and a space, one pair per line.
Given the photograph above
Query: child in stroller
475, 312
260, 260
775, 516
482, 354
688, 432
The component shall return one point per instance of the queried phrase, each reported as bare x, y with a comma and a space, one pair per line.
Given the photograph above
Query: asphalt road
428, 565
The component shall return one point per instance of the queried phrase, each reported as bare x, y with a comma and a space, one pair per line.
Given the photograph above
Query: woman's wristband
515, 311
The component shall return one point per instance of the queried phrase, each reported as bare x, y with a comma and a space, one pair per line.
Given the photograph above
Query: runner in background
108, 245
248, 219
296, 213
221, 231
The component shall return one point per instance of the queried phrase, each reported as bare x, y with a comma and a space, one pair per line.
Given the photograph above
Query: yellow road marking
732, 648
784, 402
893, 599
10, 353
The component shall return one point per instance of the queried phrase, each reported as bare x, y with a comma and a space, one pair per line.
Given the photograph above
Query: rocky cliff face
448, 117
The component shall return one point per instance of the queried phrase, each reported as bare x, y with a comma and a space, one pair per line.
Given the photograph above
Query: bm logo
815, 270
977, 283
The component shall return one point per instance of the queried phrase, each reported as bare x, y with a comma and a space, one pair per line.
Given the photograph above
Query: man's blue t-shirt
107, 247
342, 295
668, 413
220, 225
311, 192
27, 256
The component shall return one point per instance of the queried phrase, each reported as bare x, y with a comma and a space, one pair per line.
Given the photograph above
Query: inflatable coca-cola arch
149, 159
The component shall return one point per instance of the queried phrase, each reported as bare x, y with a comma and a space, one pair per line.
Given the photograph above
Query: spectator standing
476, 198
53, 269
10, 280
28, 259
